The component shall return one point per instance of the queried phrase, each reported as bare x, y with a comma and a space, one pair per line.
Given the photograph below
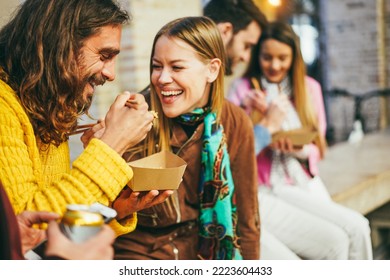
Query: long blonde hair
302, 99
202, 35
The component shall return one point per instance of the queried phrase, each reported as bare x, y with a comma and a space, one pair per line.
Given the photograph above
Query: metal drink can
79, 223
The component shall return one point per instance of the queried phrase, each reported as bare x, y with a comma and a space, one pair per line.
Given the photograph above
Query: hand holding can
80, 222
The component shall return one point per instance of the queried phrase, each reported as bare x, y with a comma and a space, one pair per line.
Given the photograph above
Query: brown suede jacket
169, 230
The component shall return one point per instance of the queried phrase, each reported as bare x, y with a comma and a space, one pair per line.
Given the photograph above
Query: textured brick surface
354, 60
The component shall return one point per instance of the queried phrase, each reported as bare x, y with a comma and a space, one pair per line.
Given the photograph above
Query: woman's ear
214, 67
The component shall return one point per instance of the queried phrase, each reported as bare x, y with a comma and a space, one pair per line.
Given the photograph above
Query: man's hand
94, 132
126, 123
98, 247
30, 236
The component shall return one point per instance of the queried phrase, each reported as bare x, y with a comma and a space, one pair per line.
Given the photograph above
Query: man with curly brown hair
53, 53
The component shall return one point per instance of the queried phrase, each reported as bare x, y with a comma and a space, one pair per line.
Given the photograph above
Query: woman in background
296, 210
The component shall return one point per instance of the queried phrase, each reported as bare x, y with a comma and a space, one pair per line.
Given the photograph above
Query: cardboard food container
160, 171
299, 137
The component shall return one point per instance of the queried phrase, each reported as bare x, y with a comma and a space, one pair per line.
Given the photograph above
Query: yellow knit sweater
41, 179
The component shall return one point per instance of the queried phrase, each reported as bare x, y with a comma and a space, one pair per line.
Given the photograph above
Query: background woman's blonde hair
203, 36
302, 99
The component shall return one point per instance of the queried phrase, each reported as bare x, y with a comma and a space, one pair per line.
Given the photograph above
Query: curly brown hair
39, 58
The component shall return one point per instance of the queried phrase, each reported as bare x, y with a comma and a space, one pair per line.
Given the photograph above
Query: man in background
240, 23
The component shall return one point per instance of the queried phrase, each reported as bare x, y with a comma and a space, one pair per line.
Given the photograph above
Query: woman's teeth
171, 92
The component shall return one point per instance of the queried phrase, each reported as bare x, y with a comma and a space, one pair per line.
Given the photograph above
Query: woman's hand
285, 145
276, 113
129, 202
30, 236
255, 101
98, 247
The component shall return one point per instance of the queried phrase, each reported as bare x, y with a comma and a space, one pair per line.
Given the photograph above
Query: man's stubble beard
229, 58
84, 103
228, 67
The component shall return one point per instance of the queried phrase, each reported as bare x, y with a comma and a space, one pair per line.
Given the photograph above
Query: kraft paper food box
160, 171
299, 137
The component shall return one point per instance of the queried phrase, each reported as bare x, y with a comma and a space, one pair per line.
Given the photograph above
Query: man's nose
109, 70
245, 56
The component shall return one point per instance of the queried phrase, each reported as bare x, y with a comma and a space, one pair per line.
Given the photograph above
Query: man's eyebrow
110, 50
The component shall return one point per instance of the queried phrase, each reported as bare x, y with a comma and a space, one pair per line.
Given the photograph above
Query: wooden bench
358, 176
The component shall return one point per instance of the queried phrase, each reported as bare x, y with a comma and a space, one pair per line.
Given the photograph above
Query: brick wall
352, 44
6, 7
357, 54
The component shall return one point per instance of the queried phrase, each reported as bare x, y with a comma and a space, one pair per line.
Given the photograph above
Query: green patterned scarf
194, 117
218, 217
